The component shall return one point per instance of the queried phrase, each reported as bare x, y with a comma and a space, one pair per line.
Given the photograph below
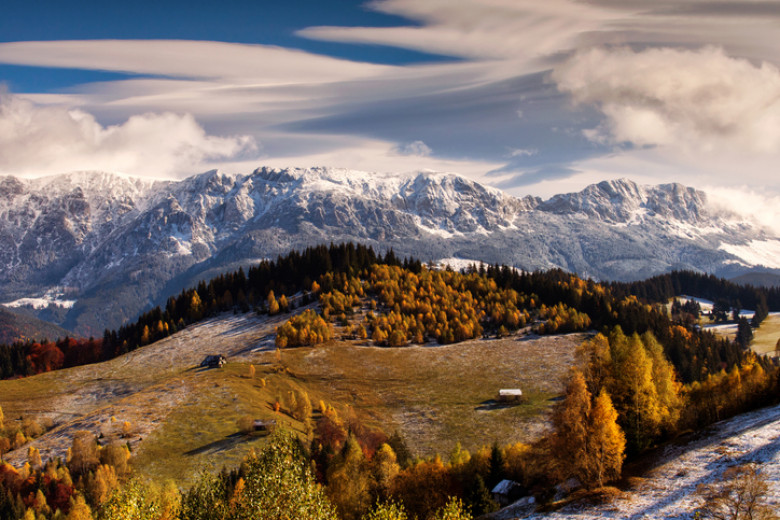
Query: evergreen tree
479, 498
744, 333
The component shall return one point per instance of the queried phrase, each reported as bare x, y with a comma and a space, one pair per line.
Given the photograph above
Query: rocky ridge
118, 245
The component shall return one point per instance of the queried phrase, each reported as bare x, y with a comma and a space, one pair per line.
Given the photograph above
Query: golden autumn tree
587, 443
385, 468
195, 309
349, 481
570, 421
273, 305
79, 510
34, 457
606, 442
633, 390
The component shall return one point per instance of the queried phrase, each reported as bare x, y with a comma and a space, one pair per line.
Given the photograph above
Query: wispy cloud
496, 29
660, 90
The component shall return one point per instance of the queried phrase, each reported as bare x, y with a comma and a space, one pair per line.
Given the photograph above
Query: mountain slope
117, 245
16, 326
669, 490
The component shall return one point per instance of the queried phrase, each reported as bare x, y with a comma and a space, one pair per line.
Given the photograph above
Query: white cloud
241, 63
763, 208
40, 140
523, 152
492, 29
701, 101
416, 148
364, 154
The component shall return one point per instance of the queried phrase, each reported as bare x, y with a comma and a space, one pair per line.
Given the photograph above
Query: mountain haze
105, 247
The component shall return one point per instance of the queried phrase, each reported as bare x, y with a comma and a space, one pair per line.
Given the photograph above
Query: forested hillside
641, 379
559, 302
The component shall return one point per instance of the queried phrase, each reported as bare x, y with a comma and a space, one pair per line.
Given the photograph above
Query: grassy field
184, 418
765, 337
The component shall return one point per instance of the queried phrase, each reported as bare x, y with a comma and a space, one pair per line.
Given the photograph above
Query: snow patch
456, 264
756, 252
669, 489
52, 298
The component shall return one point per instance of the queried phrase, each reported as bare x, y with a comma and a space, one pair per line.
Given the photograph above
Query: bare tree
739, 495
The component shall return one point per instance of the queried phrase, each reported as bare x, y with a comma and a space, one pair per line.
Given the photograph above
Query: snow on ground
52, 297
706, 305
669, 489
723, 329
456, 264
757, 252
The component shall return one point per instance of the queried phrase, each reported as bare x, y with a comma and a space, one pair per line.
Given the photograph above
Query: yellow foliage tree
79, 510
606, 442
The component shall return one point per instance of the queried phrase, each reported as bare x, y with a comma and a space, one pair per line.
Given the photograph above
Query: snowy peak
624, 201
117, 245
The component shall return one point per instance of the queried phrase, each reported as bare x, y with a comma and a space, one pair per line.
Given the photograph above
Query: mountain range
90, 250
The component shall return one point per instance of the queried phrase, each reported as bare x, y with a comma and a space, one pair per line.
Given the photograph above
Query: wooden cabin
213, 361
510, 395
262, 426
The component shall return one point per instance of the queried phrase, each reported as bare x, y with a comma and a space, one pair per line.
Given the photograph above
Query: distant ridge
120, 245
16, 326
758, 279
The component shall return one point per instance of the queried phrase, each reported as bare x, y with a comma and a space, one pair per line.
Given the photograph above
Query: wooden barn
262, 426
213, 361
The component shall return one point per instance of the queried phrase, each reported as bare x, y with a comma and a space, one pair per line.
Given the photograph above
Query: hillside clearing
766, 337
183, 418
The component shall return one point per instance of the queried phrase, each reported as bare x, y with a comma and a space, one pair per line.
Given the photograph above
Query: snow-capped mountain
109, 246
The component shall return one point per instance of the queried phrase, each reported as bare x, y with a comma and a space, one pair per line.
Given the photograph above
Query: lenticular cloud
47, 139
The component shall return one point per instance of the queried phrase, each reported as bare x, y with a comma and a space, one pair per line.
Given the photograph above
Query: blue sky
260, 22
532, 97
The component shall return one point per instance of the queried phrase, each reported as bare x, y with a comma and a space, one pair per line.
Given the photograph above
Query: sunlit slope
182, 418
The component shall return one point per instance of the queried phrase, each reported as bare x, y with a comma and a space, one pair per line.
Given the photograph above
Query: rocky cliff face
112, 246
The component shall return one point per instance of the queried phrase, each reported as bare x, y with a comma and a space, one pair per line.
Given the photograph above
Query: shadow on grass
225, 444
492, 404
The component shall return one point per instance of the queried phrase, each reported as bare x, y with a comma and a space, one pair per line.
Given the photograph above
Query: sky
531, 97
